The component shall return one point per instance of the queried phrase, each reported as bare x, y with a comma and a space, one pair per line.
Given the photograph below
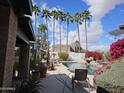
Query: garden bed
112, 80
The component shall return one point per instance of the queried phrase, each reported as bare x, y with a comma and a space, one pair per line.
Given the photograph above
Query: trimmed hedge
112, 80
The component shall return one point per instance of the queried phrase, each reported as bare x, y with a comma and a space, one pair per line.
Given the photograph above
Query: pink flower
116, 49
98, 72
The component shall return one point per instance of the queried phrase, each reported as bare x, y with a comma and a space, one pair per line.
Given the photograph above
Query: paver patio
59, 81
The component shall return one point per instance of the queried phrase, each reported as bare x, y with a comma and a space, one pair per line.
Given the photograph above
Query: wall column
24, 62
8, 29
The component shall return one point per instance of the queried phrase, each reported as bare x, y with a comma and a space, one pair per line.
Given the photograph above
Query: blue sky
106, 16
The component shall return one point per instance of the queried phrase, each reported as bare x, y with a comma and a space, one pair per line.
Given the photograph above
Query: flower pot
35, 75
43, 70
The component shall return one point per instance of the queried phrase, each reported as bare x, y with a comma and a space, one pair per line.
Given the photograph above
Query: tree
36, 13
46, 14
77, 46
44, 42
61, 18
86, 16
77, 19
42, 29
67, 17
55, 17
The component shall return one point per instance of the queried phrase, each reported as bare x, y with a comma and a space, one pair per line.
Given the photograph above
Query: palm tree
77, 19
55, 17
86, 16
61, 18
36, 13
44, 42
42, 29
67, 17
46, 14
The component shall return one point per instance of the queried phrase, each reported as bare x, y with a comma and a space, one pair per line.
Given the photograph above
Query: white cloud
98, 10
100, 47
50, 26
34, 2
44, 6
95, 31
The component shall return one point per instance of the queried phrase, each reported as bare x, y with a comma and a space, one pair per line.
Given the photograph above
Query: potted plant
35, 72
28, 86
42, 70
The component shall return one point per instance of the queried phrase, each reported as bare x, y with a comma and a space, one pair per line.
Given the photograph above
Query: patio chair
81, 77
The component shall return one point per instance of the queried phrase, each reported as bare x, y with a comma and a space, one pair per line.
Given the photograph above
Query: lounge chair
81, 77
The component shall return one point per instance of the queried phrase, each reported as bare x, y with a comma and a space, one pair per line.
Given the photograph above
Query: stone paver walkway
59, 81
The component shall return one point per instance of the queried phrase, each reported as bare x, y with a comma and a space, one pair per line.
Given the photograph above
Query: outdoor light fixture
25, 15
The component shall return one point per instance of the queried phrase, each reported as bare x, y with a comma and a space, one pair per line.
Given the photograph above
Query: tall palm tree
86, 16
61, 18
46, 14
77, 19
55, 17
42, 29
44, 42
67, 17
36, 13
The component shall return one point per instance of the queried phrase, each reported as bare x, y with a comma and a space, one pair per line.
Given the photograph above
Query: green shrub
112, 80
107, 55
32, 61
43, 53
63, 56
28, 86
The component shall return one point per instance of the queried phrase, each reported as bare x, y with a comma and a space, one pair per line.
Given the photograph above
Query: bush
43, 53
63, 56
96, 55
32, 62
28, 86
107, 56
112, 80
116, 49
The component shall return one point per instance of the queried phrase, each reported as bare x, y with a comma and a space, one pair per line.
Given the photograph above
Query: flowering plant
116, 49
98, 72
94, 54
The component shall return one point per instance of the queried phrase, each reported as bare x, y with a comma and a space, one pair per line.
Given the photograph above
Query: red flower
94, 54
98, 72
116, 49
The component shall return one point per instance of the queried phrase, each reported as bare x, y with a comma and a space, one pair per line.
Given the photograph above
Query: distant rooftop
118, 31
121, 26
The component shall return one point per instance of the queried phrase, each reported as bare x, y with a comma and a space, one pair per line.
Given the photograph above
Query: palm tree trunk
79, 37
60, 36
67, 37
44, 37
35, 22
86, 35
53, 35
47, 43
41, 40
37, 49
